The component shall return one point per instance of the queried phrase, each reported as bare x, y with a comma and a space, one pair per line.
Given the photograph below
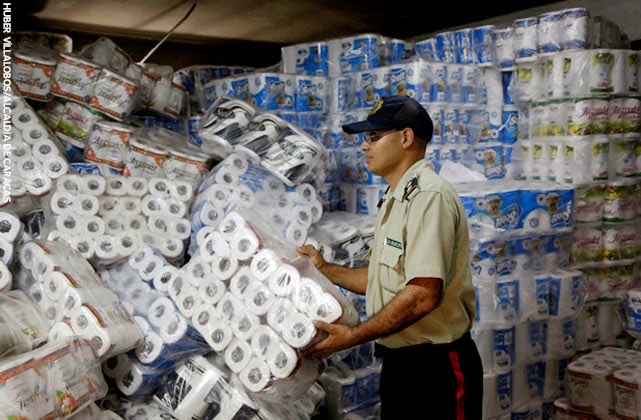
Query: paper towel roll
259, 300
282, 360
244, 245
265, 263
237, 355
298, 330
256, 376
284, 281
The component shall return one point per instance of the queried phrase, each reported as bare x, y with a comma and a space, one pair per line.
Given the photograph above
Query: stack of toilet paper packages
53, 381
604, 383
102, 77
141, 284
288, 152
11, 236
240, 182
35, 158
74, 299
107, 219
630, 311
349, 390
23, 326
254, 302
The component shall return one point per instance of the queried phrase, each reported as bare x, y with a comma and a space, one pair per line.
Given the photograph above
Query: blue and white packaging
455, 83
504, 392
510, 124
464, 46
404, 80
272, 91
484, 45
192, 129
490, 117
437, 114
340, 94
576, 29
451, 127
425, 49
525, 38
438, 82
492, 212
521, 250
367, 199
549, 32
470, 80
397, 50
509, 84
488, 159
306, 59
355, 53
504, 47
508, 298
503, 345
364, 85
311, 94
444, 44
547, 209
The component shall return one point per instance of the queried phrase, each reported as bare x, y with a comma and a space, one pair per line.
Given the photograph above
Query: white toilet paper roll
265, 263
116, 185
181, 334
6, 278
226, 176
237, 355
116, 366
107, 247
244, 324
174, 208
211, 291
245, 244
278, 313
39, 184
256, 375
203, 234
29, 253
223, 268
152, 349
161, 310
172, 248
55, 166
218, 334
10, 227
60, 330
128, 243
160, 187
233, 224
91, 226
306, 296
188, 301
284, 281
243, 282
137, 186
236, 163
130, 206
55, 283
137, 259
70, 183
282, 360
627, 394
182, 190
163, 276
43, 149
327, 309
56, 235
62, 202
93, 184
588, 387
298, 330
153, 205
214, 245
68, 223
229, 306
24, 119
304, 193
259, 300
263, 340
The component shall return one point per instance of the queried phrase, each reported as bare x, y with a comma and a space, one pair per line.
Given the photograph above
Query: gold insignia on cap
378, 106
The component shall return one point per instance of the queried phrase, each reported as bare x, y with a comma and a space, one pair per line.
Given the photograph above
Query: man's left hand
340, 337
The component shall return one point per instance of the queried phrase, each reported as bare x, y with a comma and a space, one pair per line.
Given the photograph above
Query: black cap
395, 112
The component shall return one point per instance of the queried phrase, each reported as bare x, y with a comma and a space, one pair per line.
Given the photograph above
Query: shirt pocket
392, 272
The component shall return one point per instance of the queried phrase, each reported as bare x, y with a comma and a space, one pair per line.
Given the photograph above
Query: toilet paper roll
256, 376
140, 381
137, 259
282, 360
278, 313
211, 291
508, 296
116, 366
128, 243
93, 184
244, 324
29, 253
263, 340
233, 224
153, 205
244, 245
181, 334
265, 263
60, 330
10, 227
116, 185
62, 202
237, 355
6, 278
304, 193
226, 176
130, 206
306, 296
203, 234
39, 185
56, 235
223, 268
490, 398
179, 229
284, 281
564, 287
163, 276
302, 215
298, 330
188, 301
143, 323
160, 187
91, 226
161, 310
85, 204
70, 183
327, 309
197, 271
182, 190
229, 306
218, 334
55, 283
561, 337
243, 282
42, 148
174, 208
25, 119
214, 245
73, 298
153, 351
296, 234
259, 300
107, 247
68, 223
55, 166
503, 347
520, 390
137, 186
172, 248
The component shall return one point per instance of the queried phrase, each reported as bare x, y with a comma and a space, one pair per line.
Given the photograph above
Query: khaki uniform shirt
422, 231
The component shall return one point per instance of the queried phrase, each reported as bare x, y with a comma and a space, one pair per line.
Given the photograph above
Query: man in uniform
419, 295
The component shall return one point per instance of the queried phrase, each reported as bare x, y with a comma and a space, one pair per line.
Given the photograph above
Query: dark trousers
432, 381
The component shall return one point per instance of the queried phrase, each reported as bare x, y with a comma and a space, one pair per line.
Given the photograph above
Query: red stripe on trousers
460, 386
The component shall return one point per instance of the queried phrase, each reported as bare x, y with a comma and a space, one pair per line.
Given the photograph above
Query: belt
382, 351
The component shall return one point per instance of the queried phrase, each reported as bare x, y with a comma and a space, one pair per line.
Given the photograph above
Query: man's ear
408, 138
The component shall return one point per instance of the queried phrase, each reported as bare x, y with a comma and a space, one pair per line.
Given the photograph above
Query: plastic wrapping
23, 326
56, 380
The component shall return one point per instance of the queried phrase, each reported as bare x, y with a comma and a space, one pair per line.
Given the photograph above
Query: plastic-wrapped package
23, 326
61, 377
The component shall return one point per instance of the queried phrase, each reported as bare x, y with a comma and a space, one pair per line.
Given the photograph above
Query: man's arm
420, 297
352, 279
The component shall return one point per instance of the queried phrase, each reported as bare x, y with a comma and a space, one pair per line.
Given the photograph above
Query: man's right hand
314, 255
